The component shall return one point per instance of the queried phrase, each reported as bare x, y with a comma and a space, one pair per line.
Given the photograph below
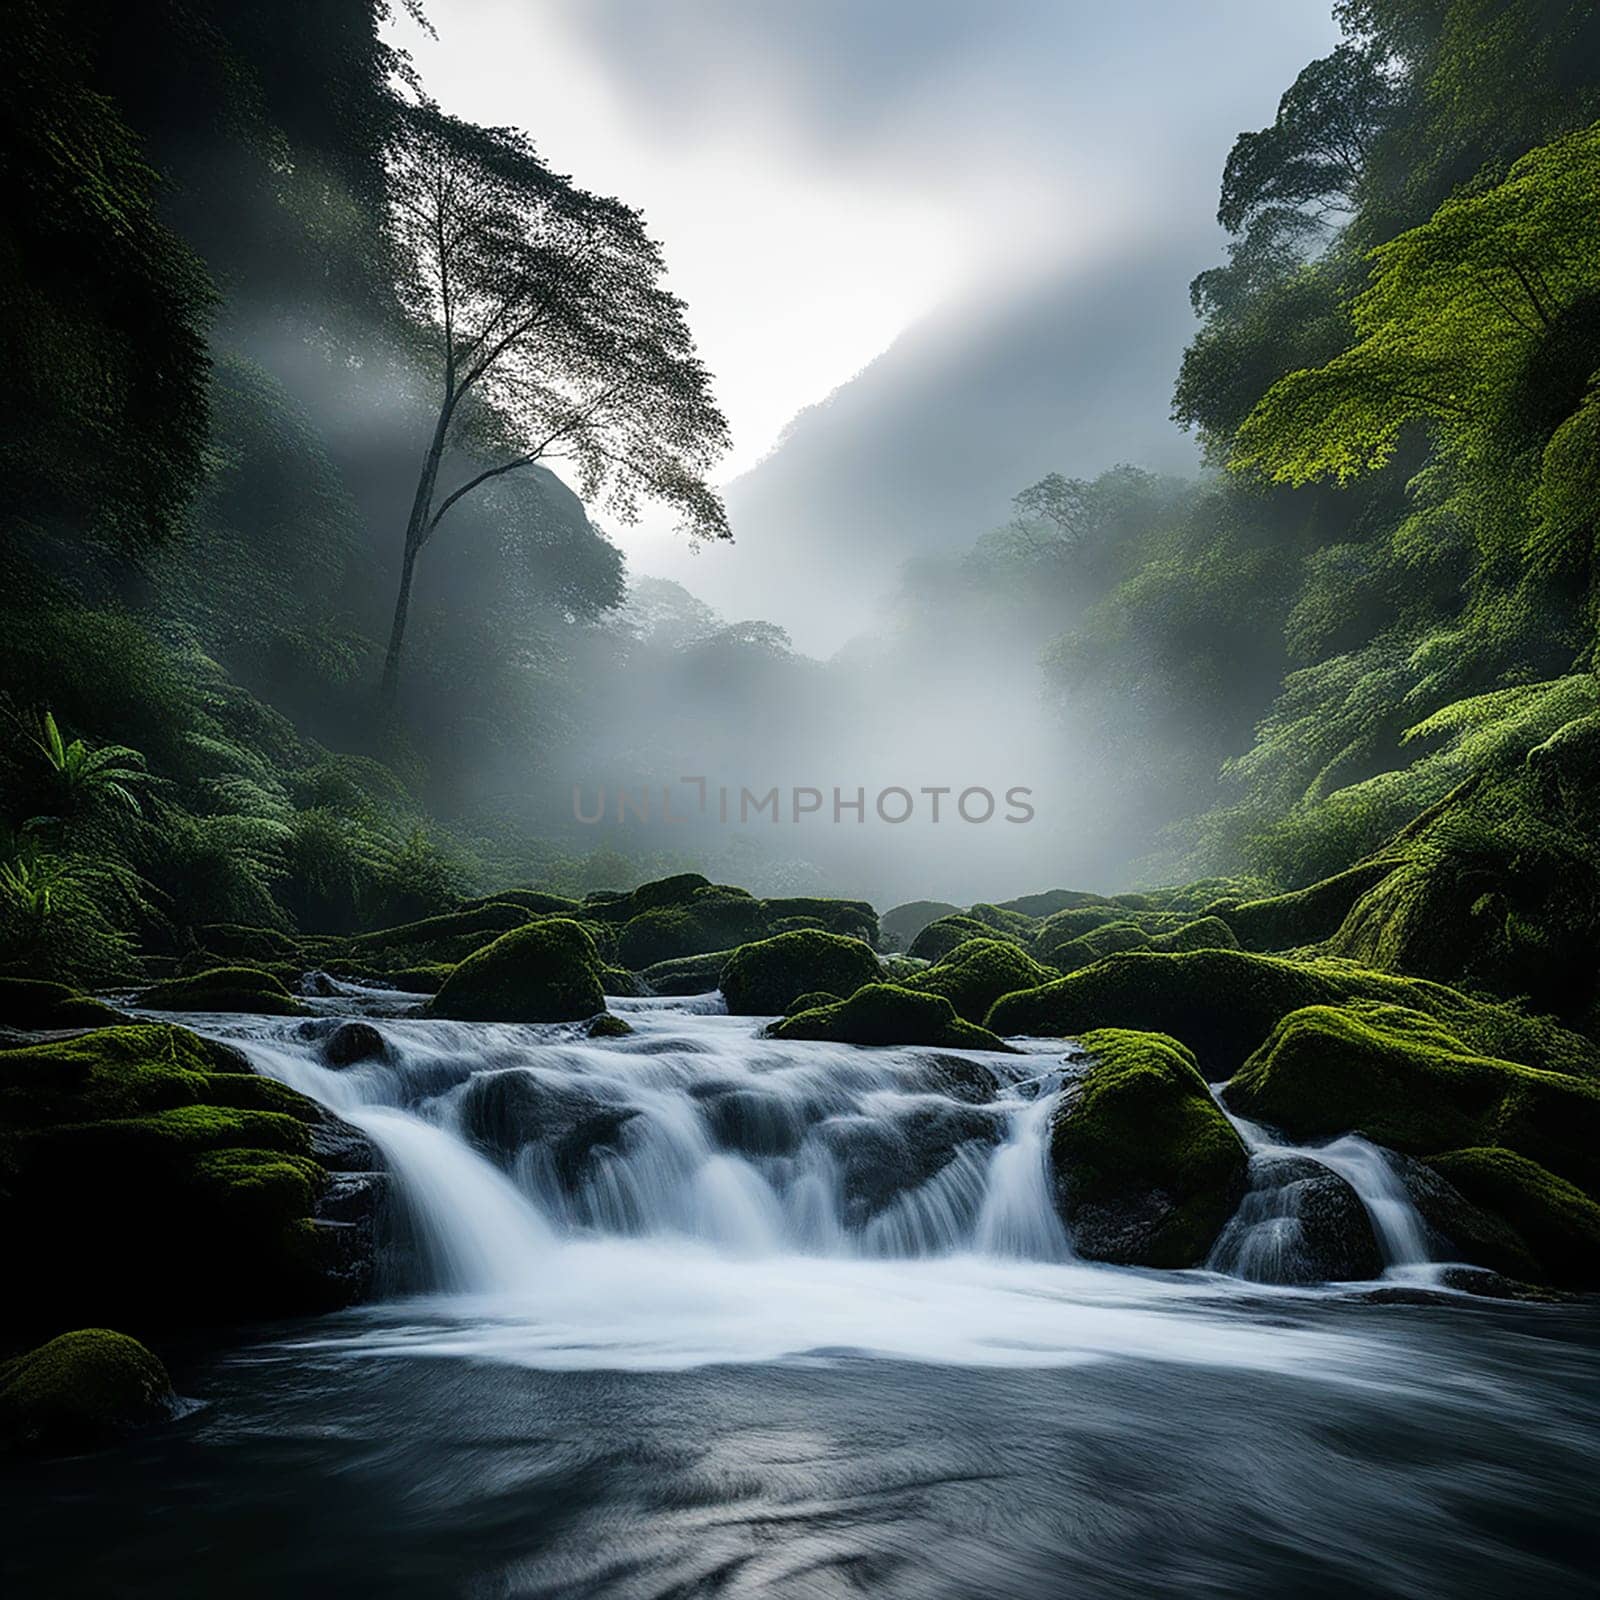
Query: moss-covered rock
1205, 933
811, 1000
1050, 901
1147, 1168
661, 934
1004, 920
619, 981
607, 1026
543, 972
241, 941
1406, 1080
426, 979
901, 924
223, 989
1558, 1223
1093, 946
884, 1013
1064, 926
856, 919
976, 973
81, 1388
763, 979
32, 1003
1305, 916
688, 974
537, 902
149, 1178
942, 935
1224, 1003
448, 938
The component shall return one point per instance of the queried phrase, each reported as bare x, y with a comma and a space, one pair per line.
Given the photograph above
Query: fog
929, 265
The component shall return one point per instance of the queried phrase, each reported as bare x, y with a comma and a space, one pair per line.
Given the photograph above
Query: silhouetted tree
552, 332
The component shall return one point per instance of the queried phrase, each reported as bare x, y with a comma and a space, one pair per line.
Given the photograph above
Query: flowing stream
694, 1312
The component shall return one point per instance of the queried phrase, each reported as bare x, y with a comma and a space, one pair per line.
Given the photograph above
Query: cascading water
696, 1192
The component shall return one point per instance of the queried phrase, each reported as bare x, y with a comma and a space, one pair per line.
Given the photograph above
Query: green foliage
1147, 1169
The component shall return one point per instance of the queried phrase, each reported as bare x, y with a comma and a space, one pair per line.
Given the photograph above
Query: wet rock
751, 1123
1459, 1230
352, 1042
500, 1112
880, 1159
960, 1079
1298, 1223
319, 985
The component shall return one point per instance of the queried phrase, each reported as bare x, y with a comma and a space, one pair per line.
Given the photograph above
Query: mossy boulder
811, 1000
607, 1026
1204, 933
886, 1014
1304, 916
1406, 1080
1557, 1222
1094, 946
81, 1388
245, 989
546, 971
901, 924
243, 942
688, 974
1224, 1003
448, 938
1004, 920
426, 979
976, 973
660, 934
856, 919
1050, 901
762, 979
1147, 1169
942, 935
150, 1179
619, 981
537, 902
34, 1004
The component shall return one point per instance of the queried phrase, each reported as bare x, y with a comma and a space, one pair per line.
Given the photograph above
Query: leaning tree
551, 334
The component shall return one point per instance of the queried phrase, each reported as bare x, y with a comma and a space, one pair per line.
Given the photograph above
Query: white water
696, 1193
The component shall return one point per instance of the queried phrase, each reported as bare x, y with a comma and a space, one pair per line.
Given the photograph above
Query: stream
693, 1312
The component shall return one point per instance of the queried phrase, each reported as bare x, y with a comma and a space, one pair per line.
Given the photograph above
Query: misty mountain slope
922, 451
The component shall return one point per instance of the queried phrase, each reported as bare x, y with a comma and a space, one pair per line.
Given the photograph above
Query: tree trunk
416, 537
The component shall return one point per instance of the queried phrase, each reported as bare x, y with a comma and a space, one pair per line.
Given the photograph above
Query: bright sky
823, 173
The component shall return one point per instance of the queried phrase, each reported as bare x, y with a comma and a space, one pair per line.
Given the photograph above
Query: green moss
1088, 948
659, 935
448, 938
1307, 916
31, 1003
1224, 1003
544, 972
884, 1014
223, 989
238, 941
1205, 933
763, 978
976, 973
145, 1179
607, 1026
941, 936
856, 919
811, 1000
1147, 1168
426, 979
1559, 1224
1013, 924
535, 901
689, 974
901, 924
81, 1387
1052, 901
796, 924
1406, 1079
619, 981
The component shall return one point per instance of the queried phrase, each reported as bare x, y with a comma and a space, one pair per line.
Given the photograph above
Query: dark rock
960, 1079
351, 1042
1458, 1229
1298, 1223
319, 984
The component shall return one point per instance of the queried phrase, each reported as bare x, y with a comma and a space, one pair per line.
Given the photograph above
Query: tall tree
552, 333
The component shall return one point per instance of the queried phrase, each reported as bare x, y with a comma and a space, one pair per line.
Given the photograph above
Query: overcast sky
827, 174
